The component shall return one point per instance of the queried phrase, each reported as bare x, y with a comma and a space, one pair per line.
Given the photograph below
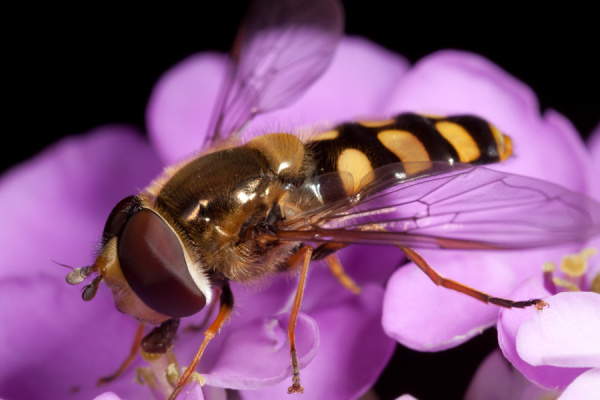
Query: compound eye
119, 215
154, 264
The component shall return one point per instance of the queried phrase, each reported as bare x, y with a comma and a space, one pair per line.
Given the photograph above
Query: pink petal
560, 140
193, 391
585, 387
594, 147
213, 393
56, 204
107, 396
53, 338
352, 345
266, 341
508, 327
371, 264
565, 334
182, 103
454, 82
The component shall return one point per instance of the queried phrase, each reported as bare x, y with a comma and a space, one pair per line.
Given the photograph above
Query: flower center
573, 267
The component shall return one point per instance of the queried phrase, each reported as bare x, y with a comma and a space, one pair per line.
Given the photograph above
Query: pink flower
555, 347
555, 351
58, 203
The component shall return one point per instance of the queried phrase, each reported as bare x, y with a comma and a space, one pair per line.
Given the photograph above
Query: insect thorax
221, 203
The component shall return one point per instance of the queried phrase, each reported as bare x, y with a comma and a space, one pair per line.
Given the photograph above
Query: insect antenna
78, 275
62, 265
89, 291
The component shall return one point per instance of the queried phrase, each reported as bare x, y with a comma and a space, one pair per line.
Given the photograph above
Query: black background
69, 69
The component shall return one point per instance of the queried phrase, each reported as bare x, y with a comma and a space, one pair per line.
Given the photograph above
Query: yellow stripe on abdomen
460, 139
376, 123
408, 148
404, 145
357, 164
503, 142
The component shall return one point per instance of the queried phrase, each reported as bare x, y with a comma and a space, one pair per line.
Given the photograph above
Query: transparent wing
281, 49
439, 205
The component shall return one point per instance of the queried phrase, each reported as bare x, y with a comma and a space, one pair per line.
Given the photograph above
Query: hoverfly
276, 202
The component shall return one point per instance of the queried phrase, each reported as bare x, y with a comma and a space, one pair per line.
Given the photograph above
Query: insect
276, 202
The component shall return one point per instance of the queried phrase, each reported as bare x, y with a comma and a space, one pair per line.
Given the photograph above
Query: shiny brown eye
118, 216
153, 262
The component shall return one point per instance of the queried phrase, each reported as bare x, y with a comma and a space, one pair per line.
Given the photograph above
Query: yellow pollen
595, 286
172, 373
575, 265
198, 378
549, 267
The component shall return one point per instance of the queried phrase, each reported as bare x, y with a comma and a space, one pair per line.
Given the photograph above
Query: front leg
303, 256
137, 340
225, 308
155, 349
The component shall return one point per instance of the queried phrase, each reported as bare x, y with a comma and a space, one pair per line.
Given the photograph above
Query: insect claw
540, 304
296, 386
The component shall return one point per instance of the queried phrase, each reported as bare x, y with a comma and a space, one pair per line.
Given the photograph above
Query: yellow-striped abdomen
358, 148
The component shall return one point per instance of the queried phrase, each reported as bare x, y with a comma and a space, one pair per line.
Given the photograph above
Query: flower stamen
574, 268
173, 374
595, 285
198, 378
164, 371
549, 268
575, 265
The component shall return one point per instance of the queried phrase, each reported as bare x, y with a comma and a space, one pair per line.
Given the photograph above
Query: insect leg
439, 280
137, 340
326, 251
303, 255
225, 308
337, 269
201, 325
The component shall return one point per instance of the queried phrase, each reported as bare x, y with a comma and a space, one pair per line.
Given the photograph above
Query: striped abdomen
360, 147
